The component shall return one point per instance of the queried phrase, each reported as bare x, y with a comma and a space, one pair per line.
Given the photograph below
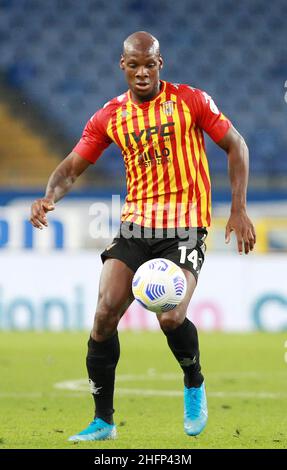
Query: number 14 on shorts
192, 257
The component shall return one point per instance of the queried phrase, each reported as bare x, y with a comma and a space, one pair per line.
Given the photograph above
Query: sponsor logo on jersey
146, 134
157, 157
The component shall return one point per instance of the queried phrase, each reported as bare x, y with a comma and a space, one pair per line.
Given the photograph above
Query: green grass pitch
245, 380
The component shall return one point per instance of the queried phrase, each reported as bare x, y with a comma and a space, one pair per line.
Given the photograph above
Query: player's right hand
39, 209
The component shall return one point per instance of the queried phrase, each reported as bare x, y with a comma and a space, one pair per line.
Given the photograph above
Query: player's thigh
115, 289
127, 247
174, 318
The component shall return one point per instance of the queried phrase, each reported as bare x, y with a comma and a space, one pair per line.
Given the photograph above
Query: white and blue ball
159, 285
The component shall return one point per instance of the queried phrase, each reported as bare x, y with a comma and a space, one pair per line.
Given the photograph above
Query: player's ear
122, 60
160, 59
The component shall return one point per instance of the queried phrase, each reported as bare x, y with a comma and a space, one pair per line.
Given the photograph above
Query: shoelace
93, 423
193, 406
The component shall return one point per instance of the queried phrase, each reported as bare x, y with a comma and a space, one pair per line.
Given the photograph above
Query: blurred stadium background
58, 64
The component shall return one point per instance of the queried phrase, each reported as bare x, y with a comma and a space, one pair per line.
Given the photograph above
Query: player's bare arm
238, 164
59, 183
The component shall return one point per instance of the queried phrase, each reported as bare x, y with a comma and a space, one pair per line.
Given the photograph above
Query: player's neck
141, 100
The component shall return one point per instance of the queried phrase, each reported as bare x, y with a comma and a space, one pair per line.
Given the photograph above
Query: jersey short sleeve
94, 139
209, 118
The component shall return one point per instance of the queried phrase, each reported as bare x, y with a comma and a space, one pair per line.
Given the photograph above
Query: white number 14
192, 257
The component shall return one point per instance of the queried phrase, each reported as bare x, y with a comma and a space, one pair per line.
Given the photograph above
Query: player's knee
104, 327
170, 320
106, 320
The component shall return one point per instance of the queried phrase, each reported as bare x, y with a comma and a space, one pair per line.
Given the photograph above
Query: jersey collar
147, 103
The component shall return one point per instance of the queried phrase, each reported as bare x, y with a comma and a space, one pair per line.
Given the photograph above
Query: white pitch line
262, 395
178, 393
21, 395
81, 385
77, 388
146, 393
149, 393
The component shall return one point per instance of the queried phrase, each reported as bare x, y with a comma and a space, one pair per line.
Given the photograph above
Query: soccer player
159, 128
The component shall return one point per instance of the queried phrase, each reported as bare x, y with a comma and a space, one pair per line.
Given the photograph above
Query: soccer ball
159, 285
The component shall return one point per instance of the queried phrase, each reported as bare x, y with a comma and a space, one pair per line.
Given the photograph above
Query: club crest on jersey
125, 113
168, 107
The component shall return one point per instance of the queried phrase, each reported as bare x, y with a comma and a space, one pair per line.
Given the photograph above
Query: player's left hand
240, 223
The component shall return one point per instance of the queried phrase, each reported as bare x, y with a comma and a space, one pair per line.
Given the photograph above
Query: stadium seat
65, 59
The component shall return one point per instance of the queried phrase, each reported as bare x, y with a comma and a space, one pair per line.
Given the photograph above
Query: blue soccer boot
195, 410
98, 430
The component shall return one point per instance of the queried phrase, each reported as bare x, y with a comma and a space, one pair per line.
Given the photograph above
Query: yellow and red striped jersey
162, 143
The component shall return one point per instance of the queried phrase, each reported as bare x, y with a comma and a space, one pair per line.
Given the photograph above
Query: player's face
142, 73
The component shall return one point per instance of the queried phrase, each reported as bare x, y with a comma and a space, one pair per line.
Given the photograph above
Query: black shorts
134, 245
